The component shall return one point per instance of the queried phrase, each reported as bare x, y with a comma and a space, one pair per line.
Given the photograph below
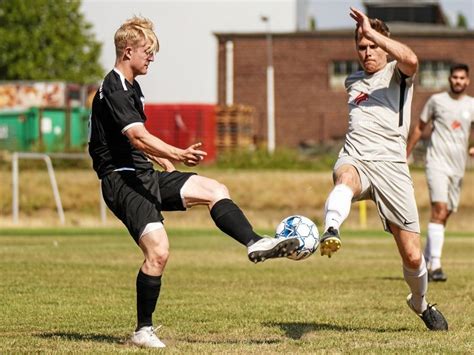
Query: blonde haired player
121, 146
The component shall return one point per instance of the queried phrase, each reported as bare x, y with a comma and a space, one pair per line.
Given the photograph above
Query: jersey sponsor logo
456, 124
361, 98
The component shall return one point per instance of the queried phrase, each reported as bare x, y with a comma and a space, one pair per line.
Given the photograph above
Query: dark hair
377, 25
459, 66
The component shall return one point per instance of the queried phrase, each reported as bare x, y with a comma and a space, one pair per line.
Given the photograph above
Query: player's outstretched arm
407, 60
415, 136
143, 140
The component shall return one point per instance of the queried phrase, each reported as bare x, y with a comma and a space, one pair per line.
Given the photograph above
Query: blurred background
260, 83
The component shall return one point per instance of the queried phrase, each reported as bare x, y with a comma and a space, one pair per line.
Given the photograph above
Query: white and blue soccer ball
302, 228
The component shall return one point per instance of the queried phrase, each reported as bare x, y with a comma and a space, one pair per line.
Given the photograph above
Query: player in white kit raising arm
372, 164
451, 114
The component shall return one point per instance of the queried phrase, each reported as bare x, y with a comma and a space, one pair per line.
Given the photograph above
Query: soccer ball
302, 228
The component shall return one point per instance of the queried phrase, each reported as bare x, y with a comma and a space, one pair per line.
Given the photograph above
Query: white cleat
267, 248
146, 338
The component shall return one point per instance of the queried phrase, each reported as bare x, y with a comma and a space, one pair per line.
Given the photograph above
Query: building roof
397, 29
414, 11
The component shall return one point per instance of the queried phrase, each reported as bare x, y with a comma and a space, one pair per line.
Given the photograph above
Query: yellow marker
363, 214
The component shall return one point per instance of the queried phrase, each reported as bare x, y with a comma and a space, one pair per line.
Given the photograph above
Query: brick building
309, 72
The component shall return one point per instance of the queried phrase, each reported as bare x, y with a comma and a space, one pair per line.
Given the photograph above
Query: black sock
148, 291
231, 220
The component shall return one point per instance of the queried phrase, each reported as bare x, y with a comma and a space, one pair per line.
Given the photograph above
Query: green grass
72, 290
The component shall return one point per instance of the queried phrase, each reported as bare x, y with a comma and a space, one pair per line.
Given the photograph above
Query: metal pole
270, 90
15, 188
229, 73
54, 185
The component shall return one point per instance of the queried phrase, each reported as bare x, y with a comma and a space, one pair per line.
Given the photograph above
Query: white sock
338, 206
434, 244
417, 280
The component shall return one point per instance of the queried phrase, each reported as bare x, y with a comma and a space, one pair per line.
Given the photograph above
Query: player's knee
441, 215
158, 258
347, 178
219, 191
440, 212
413, 261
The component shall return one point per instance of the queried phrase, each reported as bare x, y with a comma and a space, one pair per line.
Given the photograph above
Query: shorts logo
361, 98
455, 124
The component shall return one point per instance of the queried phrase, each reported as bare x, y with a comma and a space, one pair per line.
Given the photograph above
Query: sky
185, 69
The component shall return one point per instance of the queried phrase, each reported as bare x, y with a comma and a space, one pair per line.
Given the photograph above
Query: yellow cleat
330, 242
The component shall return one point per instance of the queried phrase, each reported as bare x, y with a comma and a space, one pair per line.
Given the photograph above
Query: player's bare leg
338, 206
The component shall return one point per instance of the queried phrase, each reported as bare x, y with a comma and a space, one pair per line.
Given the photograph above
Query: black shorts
138, 198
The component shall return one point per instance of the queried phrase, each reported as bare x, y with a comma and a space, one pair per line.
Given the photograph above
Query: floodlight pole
270, 89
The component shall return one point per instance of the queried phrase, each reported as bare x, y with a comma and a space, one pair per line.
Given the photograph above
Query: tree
47, 40
462, 21
312, 23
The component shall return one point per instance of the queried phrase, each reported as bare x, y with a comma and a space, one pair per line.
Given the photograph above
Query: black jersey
117, 105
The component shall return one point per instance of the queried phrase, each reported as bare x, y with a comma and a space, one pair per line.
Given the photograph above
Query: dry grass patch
265, 196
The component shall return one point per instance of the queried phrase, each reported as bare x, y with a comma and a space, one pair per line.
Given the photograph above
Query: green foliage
462, 21
283, 159
47, 40
312, 23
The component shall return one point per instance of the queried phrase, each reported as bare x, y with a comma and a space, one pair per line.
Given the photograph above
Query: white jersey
447, 148
379, 115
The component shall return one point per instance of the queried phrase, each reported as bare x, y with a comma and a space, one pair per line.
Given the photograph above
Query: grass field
72, 291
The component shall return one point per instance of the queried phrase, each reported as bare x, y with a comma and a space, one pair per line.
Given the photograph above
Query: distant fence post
16, 183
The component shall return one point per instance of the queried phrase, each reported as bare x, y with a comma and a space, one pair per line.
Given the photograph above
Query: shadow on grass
296, 330
237, 341
392, 278
73, 336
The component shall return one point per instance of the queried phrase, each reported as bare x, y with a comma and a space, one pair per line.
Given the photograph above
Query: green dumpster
18, 130
63, 129
44, 129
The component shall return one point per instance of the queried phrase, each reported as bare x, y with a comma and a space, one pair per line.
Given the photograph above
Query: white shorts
444, 187
390, 186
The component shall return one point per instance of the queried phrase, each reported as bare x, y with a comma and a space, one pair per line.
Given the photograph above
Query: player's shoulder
470, 101
439, 96
114, 81
354, 77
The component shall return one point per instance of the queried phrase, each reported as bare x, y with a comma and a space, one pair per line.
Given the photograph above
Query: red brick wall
306, 108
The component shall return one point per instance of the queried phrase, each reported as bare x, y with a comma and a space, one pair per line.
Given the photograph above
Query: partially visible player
451, 113
120, 147
372, 164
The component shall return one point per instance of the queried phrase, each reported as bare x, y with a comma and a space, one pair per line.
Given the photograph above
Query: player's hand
471, 151
164, 163
363, 21
192, 156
